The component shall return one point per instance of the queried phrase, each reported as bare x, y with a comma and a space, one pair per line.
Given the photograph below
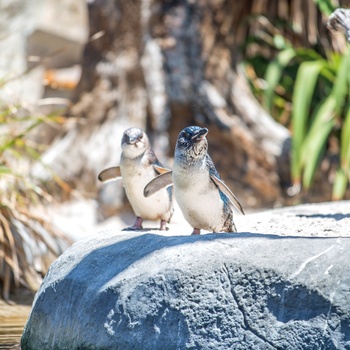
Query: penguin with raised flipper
138, 166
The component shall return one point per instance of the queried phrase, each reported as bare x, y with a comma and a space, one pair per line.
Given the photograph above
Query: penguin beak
200, 134
133, 140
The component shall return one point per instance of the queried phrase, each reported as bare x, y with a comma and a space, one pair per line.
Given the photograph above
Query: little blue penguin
138, 166
204, 199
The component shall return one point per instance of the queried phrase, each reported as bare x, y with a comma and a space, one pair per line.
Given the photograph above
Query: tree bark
163, 66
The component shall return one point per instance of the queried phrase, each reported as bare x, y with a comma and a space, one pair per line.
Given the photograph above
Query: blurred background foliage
28, 242
305, 88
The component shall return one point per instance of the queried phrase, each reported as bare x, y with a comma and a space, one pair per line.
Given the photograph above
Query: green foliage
17, 153
319, 101
313, 91
308, 146
273, 75
24, 236
325, 6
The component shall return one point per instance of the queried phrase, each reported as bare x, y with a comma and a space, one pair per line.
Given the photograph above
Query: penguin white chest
135, 178
199, 200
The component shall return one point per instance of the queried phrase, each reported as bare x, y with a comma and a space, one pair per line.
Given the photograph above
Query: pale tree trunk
163, 66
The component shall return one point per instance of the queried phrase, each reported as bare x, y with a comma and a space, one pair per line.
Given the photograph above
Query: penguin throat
192, 160
197, 152
133, 151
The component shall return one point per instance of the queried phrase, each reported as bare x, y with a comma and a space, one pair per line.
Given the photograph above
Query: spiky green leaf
340, 87
325, 6
340, 185
274, 73
345, 143
316, 139
302, 95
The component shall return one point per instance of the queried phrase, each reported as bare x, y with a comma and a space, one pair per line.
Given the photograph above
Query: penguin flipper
160, 169
158, 183
110, 174
224, 189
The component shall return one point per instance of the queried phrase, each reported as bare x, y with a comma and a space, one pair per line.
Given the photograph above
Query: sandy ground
13, 317
79, 219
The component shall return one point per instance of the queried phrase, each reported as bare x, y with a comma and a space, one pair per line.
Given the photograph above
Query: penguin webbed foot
196, 231
163, 226
136, 226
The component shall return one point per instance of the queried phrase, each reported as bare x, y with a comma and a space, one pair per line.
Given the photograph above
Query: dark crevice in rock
286, 302
241, 308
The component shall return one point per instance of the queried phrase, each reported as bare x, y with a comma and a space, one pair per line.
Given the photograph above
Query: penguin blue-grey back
204, 199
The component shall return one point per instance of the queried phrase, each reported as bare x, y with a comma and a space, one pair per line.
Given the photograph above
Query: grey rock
37, 35
214, 291
60, 33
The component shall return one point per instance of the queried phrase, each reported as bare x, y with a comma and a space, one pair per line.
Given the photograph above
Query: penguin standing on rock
204, 199
138, 166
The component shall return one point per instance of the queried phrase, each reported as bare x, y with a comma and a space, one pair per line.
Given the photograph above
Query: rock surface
251, 290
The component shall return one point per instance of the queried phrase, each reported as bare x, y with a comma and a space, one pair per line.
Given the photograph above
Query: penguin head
192, 143
134, 142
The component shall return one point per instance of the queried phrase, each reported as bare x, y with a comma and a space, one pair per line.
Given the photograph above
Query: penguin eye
182, 141
186, 135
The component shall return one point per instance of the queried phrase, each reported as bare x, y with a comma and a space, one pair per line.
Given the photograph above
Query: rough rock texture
248, 290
